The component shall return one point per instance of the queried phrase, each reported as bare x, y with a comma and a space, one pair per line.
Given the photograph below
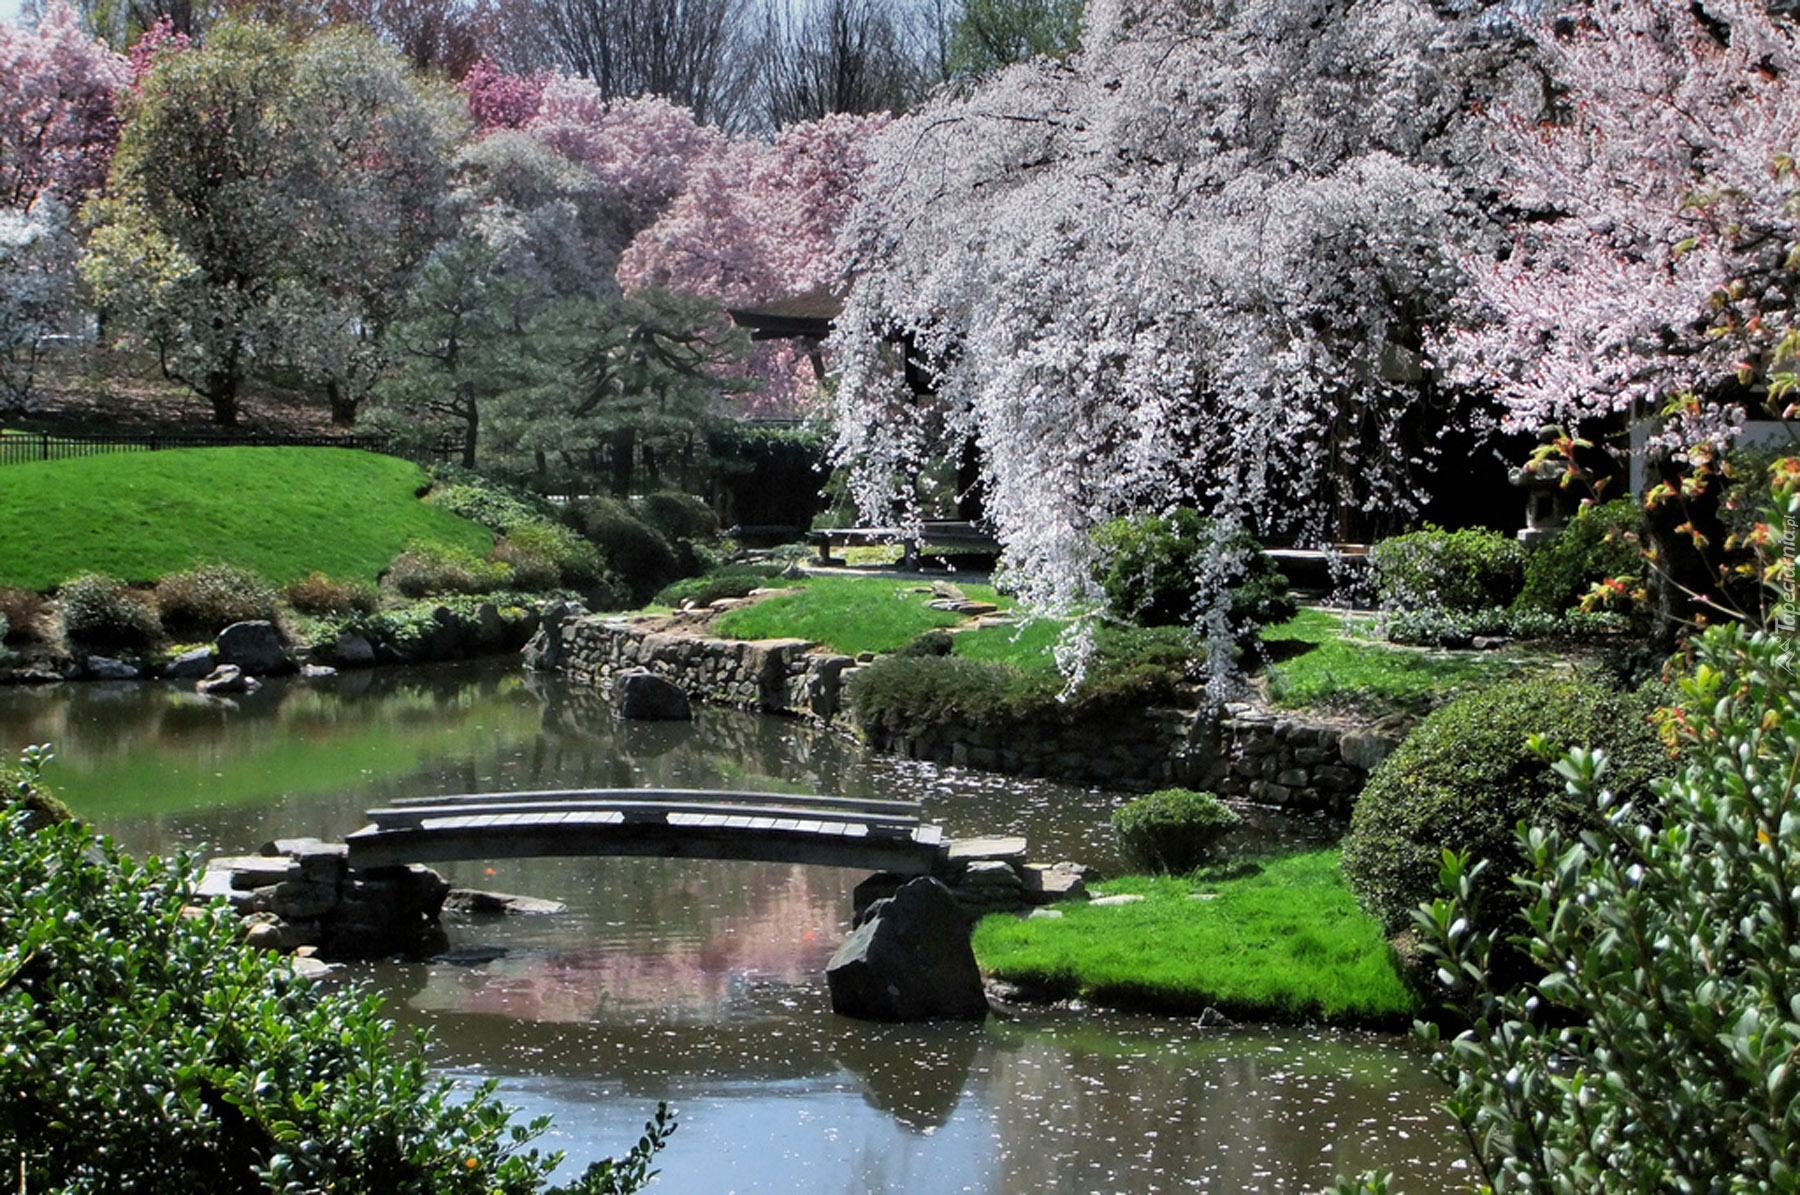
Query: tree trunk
343, 406
624, 448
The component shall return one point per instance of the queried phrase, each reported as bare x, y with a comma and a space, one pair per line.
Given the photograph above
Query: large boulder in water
255, 647
909, 959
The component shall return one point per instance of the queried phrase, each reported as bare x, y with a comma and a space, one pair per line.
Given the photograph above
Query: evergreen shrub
1151, 567
1600, 543
1460, 571
150, 1048
912, 694
1173, 830
1655, 1052
1466, 777
102, 611
641, 557
202, 601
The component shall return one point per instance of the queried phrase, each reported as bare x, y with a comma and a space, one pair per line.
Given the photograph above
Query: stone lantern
1549, 503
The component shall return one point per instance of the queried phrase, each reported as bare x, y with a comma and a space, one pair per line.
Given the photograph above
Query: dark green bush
1173, 830
935, 642
100, 611
909, 694
732, 581
641, 557
678, 516
318, 594
150, 1048
1598, 544
203, 601
1151, 567
1459, 571
1449, 628
1465, 778
426, 569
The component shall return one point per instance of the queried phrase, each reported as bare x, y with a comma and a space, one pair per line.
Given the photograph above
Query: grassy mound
1286, 943
280, 512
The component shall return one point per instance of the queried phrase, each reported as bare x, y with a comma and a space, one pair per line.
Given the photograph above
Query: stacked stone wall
1245, 753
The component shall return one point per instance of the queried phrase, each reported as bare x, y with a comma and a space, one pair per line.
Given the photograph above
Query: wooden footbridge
663, 823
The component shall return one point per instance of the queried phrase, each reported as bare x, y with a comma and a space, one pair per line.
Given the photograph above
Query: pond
702, 983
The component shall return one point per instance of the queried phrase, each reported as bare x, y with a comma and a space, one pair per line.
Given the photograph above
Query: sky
9, 10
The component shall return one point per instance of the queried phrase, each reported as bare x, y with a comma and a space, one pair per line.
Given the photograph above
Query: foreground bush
1458, 571
1154, 573
102, 611
148, 1048
203, 601
1173, 830
1466, 777
1657, 1051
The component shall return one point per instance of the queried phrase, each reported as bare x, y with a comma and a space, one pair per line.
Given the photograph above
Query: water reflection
702, 982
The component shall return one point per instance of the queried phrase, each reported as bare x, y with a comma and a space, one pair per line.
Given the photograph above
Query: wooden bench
939, 534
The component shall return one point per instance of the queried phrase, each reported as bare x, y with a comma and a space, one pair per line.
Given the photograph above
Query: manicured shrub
101, 611
1656, 1052
1466, 777
1599, 544
909, 694
1451, 628
937, 642
1173, 830
205, 600
1460, 571
425, 569
640, 556
679, 516
150, 1048
23, 610
1153, 567
316, 594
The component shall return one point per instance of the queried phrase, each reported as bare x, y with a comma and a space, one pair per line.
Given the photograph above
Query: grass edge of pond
1286, 944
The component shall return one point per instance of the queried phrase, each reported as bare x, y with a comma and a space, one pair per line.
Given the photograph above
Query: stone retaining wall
771, 676
1297, 762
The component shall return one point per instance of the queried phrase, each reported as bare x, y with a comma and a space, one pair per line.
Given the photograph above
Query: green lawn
1325, 659
1286, 943
282, 512
849, 614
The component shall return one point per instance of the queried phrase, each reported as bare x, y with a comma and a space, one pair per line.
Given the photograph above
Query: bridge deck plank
779, 827
669, 796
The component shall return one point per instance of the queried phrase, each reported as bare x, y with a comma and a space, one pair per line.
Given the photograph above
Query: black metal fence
21, 447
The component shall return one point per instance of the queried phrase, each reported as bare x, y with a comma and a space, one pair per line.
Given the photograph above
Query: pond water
702, 983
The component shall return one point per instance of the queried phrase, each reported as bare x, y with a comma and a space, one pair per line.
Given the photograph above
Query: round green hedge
1173, 830
1464, 779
